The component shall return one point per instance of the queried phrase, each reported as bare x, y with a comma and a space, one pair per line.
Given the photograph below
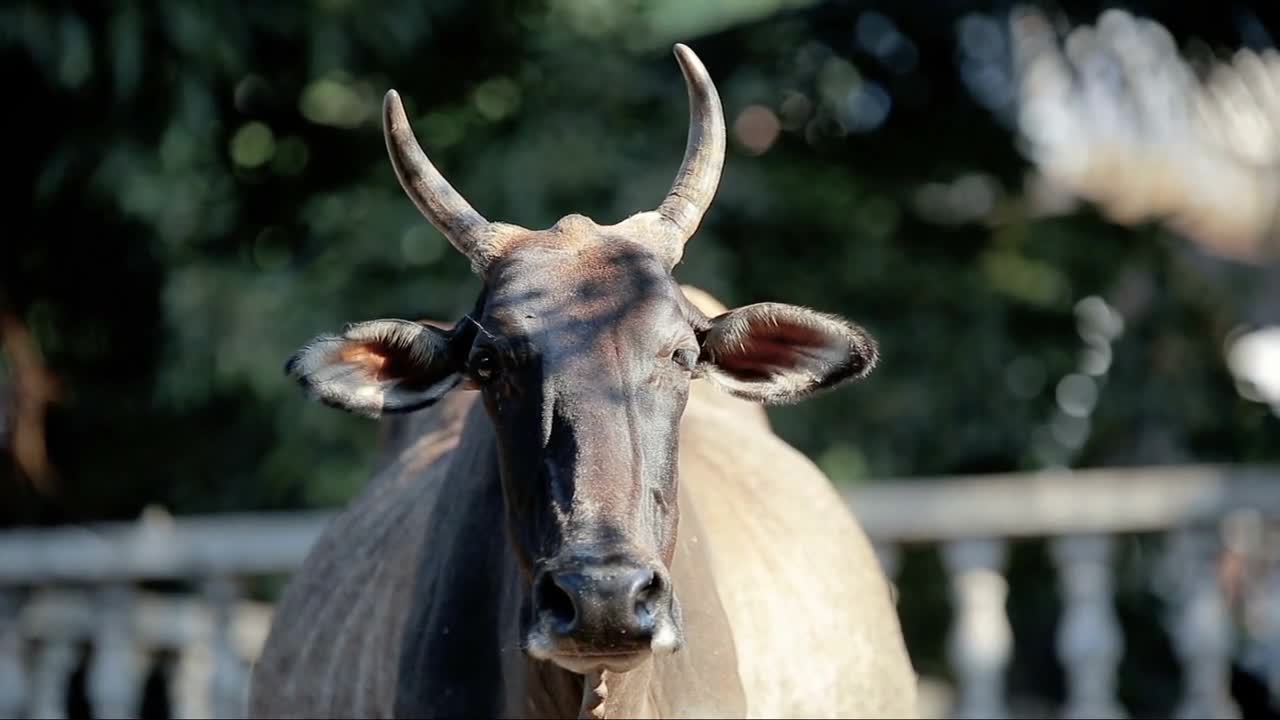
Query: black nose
610, 607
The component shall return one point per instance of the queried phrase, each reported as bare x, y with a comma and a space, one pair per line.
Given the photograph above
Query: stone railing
63, 591
77, 598
1220, 571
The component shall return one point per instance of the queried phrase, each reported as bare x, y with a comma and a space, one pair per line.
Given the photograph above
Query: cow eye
484, 365
685, 358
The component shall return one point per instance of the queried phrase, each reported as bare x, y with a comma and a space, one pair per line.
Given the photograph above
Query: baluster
1262, 611
1269, 606
114, 676
981, 639
190, 692
1089, 639
1200, 625
13, 678
55, 661
228, 686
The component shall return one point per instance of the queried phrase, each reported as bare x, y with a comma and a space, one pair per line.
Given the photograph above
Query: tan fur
815, 627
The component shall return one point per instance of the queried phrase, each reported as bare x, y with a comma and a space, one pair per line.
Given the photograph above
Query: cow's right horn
466, 229
699, 175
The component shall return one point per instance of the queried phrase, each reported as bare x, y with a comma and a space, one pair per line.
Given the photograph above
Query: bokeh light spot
252, 145
330, 102
756, 128
1077, 395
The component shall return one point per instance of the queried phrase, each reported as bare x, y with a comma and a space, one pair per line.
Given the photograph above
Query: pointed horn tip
394, 117
695, 73
391, 103
686, 56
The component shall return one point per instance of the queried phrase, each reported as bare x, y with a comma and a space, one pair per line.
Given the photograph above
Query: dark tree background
201, 187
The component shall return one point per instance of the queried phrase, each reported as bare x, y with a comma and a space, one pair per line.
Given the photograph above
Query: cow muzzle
602, 615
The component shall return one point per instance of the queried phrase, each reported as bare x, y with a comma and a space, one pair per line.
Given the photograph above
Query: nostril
644, 585
646, 588
557, 603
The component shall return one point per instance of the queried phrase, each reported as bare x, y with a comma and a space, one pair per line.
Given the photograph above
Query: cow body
407, 605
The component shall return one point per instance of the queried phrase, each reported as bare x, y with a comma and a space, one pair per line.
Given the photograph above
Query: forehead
541, 281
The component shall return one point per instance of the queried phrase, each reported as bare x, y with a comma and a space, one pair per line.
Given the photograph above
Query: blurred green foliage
208, 188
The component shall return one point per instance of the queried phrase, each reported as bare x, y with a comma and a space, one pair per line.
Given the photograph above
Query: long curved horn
699, 176
466, 229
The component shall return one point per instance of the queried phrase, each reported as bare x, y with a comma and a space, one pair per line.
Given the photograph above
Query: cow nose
607, 607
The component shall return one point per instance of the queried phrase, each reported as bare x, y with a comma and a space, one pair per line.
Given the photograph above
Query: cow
583, 510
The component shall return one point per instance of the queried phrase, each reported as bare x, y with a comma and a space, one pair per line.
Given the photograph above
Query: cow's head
583, 347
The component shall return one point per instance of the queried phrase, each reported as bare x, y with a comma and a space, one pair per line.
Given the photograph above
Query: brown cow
520, 556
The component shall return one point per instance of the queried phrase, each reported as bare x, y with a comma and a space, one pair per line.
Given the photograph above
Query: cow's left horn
465, 229
699, 175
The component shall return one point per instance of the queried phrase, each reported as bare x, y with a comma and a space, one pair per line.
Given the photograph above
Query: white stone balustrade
1089, 639
54, 662
122, 626
229, 681
114, 674
13, 673
1081, 511
981, 642
65, 592
1200, 625
1262, 612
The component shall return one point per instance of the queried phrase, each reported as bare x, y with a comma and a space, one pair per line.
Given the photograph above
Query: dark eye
686, 358
483, 365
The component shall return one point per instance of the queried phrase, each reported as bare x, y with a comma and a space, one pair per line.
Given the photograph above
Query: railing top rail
1062, 502
160, 548
1110, 500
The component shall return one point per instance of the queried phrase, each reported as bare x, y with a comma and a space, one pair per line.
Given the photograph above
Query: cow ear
776, 353
380, 366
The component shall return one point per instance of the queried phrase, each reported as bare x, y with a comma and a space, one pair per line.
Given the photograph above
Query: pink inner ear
767, 350
374, 361
363, 355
